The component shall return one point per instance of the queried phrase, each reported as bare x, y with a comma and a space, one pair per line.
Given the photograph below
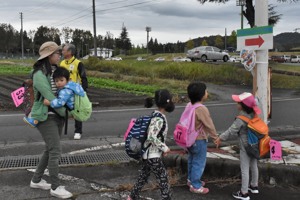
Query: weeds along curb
225, 168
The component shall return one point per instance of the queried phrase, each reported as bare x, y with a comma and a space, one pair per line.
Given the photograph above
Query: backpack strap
244, 118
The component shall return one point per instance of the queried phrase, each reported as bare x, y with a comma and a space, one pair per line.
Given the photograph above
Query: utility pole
95, 36
262, 90
241, 3
22, 46
148, 29
225, 39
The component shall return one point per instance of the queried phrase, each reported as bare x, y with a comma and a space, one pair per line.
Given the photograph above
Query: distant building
102, 52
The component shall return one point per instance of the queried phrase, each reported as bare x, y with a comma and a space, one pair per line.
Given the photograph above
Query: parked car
116, 58
140, 59
235, 59
279, 59
295, 59
204, 53
181, 59
286, 58
231, 49
159, 59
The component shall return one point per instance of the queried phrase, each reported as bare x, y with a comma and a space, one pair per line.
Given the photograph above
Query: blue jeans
197, 162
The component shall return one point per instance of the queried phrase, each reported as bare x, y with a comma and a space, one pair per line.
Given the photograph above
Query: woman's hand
46, 102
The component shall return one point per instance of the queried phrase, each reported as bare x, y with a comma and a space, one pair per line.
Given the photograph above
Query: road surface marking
137, 109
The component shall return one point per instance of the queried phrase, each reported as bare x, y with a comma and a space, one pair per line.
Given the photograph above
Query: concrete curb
224, 168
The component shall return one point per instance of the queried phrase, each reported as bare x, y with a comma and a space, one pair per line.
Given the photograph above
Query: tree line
10, 43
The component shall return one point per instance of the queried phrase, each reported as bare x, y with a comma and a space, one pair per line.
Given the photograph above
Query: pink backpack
185, 134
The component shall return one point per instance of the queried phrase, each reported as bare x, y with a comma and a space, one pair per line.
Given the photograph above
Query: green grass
122, 86
144, 77
208, 72
285, 81
9, 69
285, 67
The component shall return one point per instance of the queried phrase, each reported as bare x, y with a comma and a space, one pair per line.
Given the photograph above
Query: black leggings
156, 166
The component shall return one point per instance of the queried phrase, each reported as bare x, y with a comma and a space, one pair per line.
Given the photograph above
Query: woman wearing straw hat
50, 121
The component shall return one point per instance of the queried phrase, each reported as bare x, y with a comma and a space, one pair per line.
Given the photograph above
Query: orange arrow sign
254, 41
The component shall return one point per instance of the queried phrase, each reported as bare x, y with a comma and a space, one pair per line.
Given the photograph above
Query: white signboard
255, 38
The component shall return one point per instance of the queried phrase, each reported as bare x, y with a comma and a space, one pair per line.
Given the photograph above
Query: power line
80, 12
115, 2
45, 3
104, 10
126, 6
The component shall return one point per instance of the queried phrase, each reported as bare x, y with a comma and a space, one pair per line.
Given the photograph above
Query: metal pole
242, 17
95, 36
225, 38
263, 91
22, 45
148, 29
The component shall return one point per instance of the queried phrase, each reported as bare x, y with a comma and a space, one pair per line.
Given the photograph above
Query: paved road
114, 121
18, 139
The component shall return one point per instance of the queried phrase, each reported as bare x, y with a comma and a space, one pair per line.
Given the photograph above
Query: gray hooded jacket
238, 129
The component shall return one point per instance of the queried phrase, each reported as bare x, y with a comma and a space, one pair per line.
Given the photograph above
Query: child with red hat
247, 107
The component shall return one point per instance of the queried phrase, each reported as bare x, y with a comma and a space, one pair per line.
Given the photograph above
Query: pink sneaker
129, 198
201, 190
189, 183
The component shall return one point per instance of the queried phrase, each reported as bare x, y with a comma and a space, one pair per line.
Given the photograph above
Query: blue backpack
137, 135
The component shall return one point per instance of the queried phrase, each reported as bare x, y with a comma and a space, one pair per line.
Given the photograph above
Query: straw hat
47, 49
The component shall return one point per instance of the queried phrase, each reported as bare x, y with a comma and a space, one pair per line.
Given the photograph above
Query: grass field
144, 77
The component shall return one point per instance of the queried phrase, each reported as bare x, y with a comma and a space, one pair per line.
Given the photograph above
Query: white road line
97, 148
137, 109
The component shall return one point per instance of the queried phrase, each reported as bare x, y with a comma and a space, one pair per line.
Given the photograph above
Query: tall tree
123, 42
249, 12
9, 38
204, 43
190, 44
44, 34
66, 33
77, 40
150, 44
31, 34
109, 40
219, 42
232, 39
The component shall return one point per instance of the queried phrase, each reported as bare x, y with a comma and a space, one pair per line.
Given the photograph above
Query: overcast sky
170, 20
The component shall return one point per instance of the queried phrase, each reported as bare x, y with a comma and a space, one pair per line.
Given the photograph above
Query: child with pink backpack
204, 127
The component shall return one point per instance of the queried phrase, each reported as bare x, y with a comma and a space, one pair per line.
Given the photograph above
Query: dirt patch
99, 97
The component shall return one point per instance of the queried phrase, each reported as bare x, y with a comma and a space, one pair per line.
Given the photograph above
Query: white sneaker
61, 192
77, 136
41, 185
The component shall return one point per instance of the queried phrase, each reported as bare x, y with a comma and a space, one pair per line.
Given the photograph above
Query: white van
286, 58
295, 59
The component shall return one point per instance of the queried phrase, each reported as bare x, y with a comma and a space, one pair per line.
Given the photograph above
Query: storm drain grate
65, 160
